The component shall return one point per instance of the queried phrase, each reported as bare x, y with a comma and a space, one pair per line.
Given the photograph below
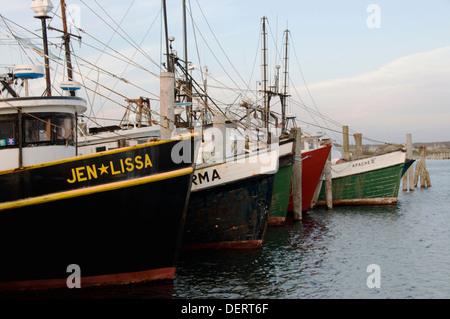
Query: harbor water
327, 254
324, 256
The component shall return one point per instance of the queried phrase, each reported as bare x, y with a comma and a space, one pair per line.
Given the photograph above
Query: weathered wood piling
346, 145
297, 174
166, 104
421, 169
408, 178
328, 182
358, 145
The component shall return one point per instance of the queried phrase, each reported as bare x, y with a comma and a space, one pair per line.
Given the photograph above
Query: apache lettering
122, 166
359, 164
204, 177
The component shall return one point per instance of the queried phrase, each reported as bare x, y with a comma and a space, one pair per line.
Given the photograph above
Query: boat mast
188, 82
265, 117
169, 59
205, 88
47, 63
66, 38
284, 95
42, 9
167, 89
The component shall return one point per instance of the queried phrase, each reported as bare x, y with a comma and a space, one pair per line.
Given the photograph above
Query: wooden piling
358, 144
167, 105
425, 174
427, 178
346, 155
421, 169
328, 183
422, 152
416, 173
297, 175
408, 177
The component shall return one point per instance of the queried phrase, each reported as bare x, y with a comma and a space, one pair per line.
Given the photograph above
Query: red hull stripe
114, 279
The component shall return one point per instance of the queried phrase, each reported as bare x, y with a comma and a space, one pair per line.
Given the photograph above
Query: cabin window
64, 128
37, 130
8, 132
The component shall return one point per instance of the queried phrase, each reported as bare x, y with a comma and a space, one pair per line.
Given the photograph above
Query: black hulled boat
118, 215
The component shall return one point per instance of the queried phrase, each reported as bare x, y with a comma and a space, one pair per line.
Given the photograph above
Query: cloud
409, 93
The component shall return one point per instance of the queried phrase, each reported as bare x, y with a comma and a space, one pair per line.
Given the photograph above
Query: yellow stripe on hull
94, 189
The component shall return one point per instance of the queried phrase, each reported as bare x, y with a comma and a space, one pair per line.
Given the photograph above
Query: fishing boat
229, 205
115, 217
282, 182
313, 156
231, 189
233, 179
231, 192
286, 143
230, 199
117, 214
371, 180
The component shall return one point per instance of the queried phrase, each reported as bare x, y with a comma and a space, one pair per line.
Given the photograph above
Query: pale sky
380, 67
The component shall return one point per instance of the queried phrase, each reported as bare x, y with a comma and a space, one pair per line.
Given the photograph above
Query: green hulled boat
280, 195
282, 183
368, 181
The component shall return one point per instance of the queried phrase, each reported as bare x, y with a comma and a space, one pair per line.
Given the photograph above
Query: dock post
346, 155
358, 144
421, 169
425, 175
297, 175
167, 83
328, 183
408, 178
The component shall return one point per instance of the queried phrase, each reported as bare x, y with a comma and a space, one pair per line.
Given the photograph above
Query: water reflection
289, 257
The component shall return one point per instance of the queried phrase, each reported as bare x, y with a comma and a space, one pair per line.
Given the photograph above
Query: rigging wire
223, 51
129, 40
196, 42
96, 82
310, 95
9, 29
132, 57
194, 26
